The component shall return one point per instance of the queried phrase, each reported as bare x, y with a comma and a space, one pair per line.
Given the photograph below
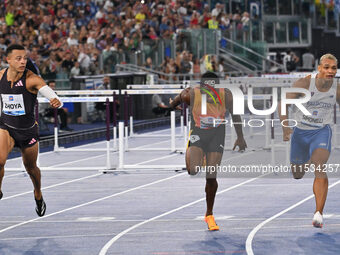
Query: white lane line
53, 186
239, 156
79, 179
335, 226
18, 158
81, 146
102, 155
79, 160
89, 203
151, 233
115, 238
198, 218
50, 152
166, 130
7, 176
152, 160
96, 143
251, 235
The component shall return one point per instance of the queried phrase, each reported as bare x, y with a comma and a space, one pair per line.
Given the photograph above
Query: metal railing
249, 57
175, 78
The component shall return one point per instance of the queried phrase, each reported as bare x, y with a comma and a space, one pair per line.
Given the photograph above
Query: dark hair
50, 81
209, 78
209, 75
14, 47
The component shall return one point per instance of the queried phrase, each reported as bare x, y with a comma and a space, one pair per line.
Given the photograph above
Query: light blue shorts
304, 142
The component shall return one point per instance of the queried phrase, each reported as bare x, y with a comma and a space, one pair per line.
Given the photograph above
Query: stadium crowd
72, 37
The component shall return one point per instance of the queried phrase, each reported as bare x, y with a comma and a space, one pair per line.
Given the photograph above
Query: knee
2, 163
319, 170
192, 168
211, 182
30, 166
320, 174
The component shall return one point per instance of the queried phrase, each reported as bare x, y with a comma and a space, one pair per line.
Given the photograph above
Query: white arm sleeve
47, 92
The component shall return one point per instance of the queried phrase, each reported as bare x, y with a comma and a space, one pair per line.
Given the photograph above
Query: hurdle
122, 166
108, 148
156, 86
93, 96
128, 105
263, 82
172, 134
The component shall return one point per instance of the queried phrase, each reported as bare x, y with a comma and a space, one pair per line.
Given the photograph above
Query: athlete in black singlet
18, 89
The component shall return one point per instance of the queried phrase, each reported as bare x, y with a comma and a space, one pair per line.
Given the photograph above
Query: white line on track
152, 160
11, 175
166, 220
71, 181
102, 155
83, 178
152, 232
252, 234
115, 238
50, 152
53, 186
91, 202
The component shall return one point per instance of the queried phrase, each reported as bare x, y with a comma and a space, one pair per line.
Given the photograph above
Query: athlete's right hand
177, 107
287, 131
55, 103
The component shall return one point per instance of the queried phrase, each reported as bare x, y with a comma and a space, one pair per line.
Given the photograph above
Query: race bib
13, 105
210, 122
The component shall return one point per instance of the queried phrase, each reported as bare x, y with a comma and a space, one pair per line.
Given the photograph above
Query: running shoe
318, 220
210, 220
41, 207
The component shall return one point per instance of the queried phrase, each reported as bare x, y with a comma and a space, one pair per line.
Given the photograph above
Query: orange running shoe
210, 220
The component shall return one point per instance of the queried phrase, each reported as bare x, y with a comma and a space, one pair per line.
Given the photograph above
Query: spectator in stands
67, 63
213, 23
292, 61
105, 84
3, 46
3, 61
84, 60
158, 107
92, 38
72, 40
101, 106
185, 66
245, 23
75, 71
194, 21
148, 63
224, 21
221, 65
308, 61
196, 69
62, 113
54, 25
217, 10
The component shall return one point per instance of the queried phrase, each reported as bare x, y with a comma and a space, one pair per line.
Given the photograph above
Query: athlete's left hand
241, 144
55, 102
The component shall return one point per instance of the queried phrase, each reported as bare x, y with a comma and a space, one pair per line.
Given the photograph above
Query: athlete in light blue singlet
311, 138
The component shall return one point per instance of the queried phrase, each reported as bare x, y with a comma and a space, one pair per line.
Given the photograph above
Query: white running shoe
318, 220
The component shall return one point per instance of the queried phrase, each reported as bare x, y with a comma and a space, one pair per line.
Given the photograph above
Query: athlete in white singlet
311, 139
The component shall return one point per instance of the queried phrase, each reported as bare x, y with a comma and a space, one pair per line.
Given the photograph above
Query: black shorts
209, 140
23, 138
